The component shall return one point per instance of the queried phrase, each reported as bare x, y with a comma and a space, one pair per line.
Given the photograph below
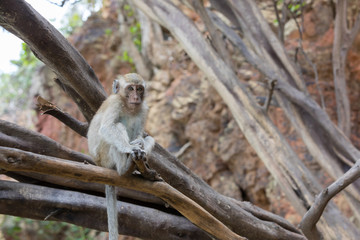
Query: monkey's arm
114, 133
146, 143
149, 144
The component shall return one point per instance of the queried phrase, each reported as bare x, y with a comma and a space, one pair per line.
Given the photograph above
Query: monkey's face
134, 95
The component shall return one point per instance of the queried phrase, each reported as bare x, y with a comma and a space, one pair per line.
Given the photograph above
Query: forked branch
308, 223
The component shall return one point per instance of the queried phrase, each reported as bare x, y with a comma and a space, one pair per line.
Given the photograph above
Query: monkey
115, 135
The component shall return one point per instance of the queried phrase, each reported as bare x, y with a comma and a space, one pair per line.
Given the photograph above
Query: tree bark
244, 219
18, 160
78, 79
55, 51
36, 202
284, 165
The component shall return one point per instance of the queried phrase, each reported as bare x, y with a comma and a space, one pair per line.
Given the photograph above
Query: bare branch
67, 119
252, 122
17, 160
339, 53
215, 35
60, 182
50, 46
281, 22
269, 97
80, 209
308, 223
263, 224
14, 136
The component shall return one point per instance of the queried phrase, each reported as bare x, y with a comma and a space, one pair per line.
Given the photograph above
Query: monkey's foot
145, 171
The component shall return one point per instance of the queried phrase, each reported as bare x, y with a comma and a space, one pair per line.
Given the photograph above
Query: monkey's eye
130, 88
140, 89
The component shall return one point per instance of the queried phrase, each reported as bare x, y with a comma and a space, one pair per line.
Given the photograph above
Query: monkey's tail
111, 212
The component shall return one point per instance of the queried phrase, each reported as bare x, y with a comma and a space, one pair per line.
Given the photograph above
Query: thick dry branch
14, 136
339, 53
259, 130
215, 35
308, 223
319, 134
254, 222
85, 187
51, 109
30, 201
17, 160
257, 224
51, 47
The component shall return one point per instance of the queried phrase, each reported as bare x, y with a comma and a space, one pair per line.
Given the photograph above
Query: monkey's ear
116, 86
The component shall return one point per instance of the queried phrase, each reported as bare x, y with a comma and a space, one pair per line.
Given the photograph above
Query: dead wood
51, 109
308, 223
50, 46
86, 187
284, 165
256, 224
18, 160
78, 79
36, 202
245, 223
343, 39
14, 136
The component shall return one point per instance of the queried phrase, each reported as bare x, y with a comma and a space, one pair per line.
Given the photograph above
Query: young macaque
115, 135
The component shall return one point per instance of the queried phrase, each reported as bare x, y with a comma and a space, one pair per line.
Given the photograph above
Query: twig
51, 109
271, 91
281, 21
182, 149
308, 223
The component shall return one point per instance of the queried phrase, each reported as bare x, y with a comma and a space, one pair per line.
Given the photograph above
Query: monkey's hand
137, 154
139, 142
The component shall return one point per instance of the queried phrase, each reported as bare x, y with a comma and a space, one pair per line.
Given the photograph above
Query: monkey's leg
111, 212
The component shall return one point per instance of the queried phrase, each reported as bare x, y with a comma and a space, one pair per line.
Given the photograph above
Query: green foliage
128, 10
108, 32
74, 21
16, 228
135, 31
126, 58
15, 86
296, 7
27, 59
135, 28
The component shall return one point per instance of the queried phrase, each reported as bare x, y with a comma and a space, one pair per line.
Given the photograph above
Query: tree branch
51, 109
27, 200
339, 54
255, 125
50, 46
217, 40
269, 97
90, 188
18, 160
258, 224
11, 135
308, 223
